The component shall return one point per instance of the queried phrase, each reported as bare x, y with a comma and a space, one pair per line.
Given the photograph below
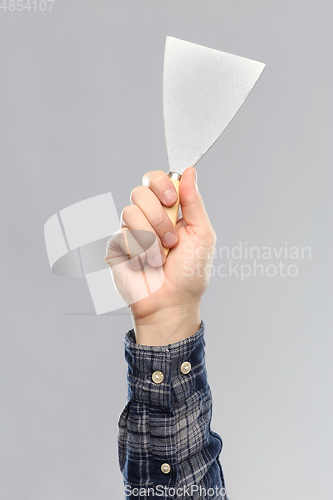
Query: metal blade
203, 89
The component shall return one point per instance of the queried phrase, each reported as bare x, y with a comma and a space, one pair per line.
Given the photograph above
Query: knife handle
172, 212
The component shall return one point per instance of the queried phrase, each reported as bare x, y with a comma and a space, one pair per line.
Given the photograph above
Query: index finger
162, 186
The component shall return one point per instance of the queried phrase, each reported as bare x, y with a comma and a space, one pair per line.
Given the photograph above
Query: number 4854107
34, 5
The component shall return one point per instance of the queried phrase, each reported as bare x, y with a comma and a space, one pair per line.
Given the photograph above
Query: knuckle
147, 177
154, 177
159, 220
137, 192
110, 245
110, 242
160, 178
128, 212
161, 182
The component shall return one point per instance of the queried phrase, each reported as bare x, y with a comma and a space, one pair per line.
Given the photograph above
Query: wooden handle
172, 212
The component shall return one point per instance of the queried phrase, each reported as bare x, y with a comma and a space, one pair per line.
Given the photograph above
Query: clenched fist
172, 312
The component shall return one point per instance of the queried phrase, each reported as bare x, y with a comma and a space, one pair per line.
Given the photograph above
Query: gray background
81, 114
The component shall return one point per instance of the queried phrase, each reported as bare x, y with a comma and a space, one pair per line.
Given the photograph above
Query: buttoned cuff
166, 375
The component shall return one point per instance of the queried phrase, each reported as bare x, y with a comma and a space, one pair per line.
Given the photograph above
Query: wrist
168, 325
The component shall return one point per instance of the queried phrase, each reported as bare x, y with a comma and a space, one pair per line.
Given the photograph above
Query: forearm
165, 438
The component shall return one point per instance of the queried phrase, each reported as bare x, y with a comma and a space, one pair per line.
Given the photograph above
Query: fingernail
169, 239
157, 260
169, 196
195, 175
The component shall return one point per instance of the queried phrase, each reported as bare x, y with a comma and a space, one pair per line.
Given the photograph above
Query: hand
172, 312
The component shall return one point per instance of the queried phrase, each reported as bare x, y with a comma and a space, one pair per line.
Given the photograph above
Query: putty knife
203, 89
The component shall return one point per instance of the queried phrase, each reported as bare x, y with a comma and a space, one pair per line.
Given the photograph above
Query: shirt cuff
176, 381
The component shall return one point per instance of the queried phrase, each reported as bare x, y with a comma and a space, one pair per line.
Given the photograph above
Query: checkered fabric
169, 423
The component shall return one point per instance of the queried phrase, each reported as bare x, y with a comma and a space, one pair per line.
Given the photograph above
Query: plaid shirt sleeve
166, 446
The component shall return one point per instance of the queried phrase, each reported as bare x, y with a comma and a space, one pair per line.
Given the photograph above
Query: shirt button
185, 367
157, 377
165, 468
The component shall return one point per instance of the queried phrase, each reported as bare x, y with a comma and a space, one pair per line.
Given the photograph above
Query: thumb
193, 210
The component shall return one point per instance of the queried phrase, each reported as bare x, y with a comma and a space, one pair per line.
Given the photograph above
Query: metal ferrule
175, 176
